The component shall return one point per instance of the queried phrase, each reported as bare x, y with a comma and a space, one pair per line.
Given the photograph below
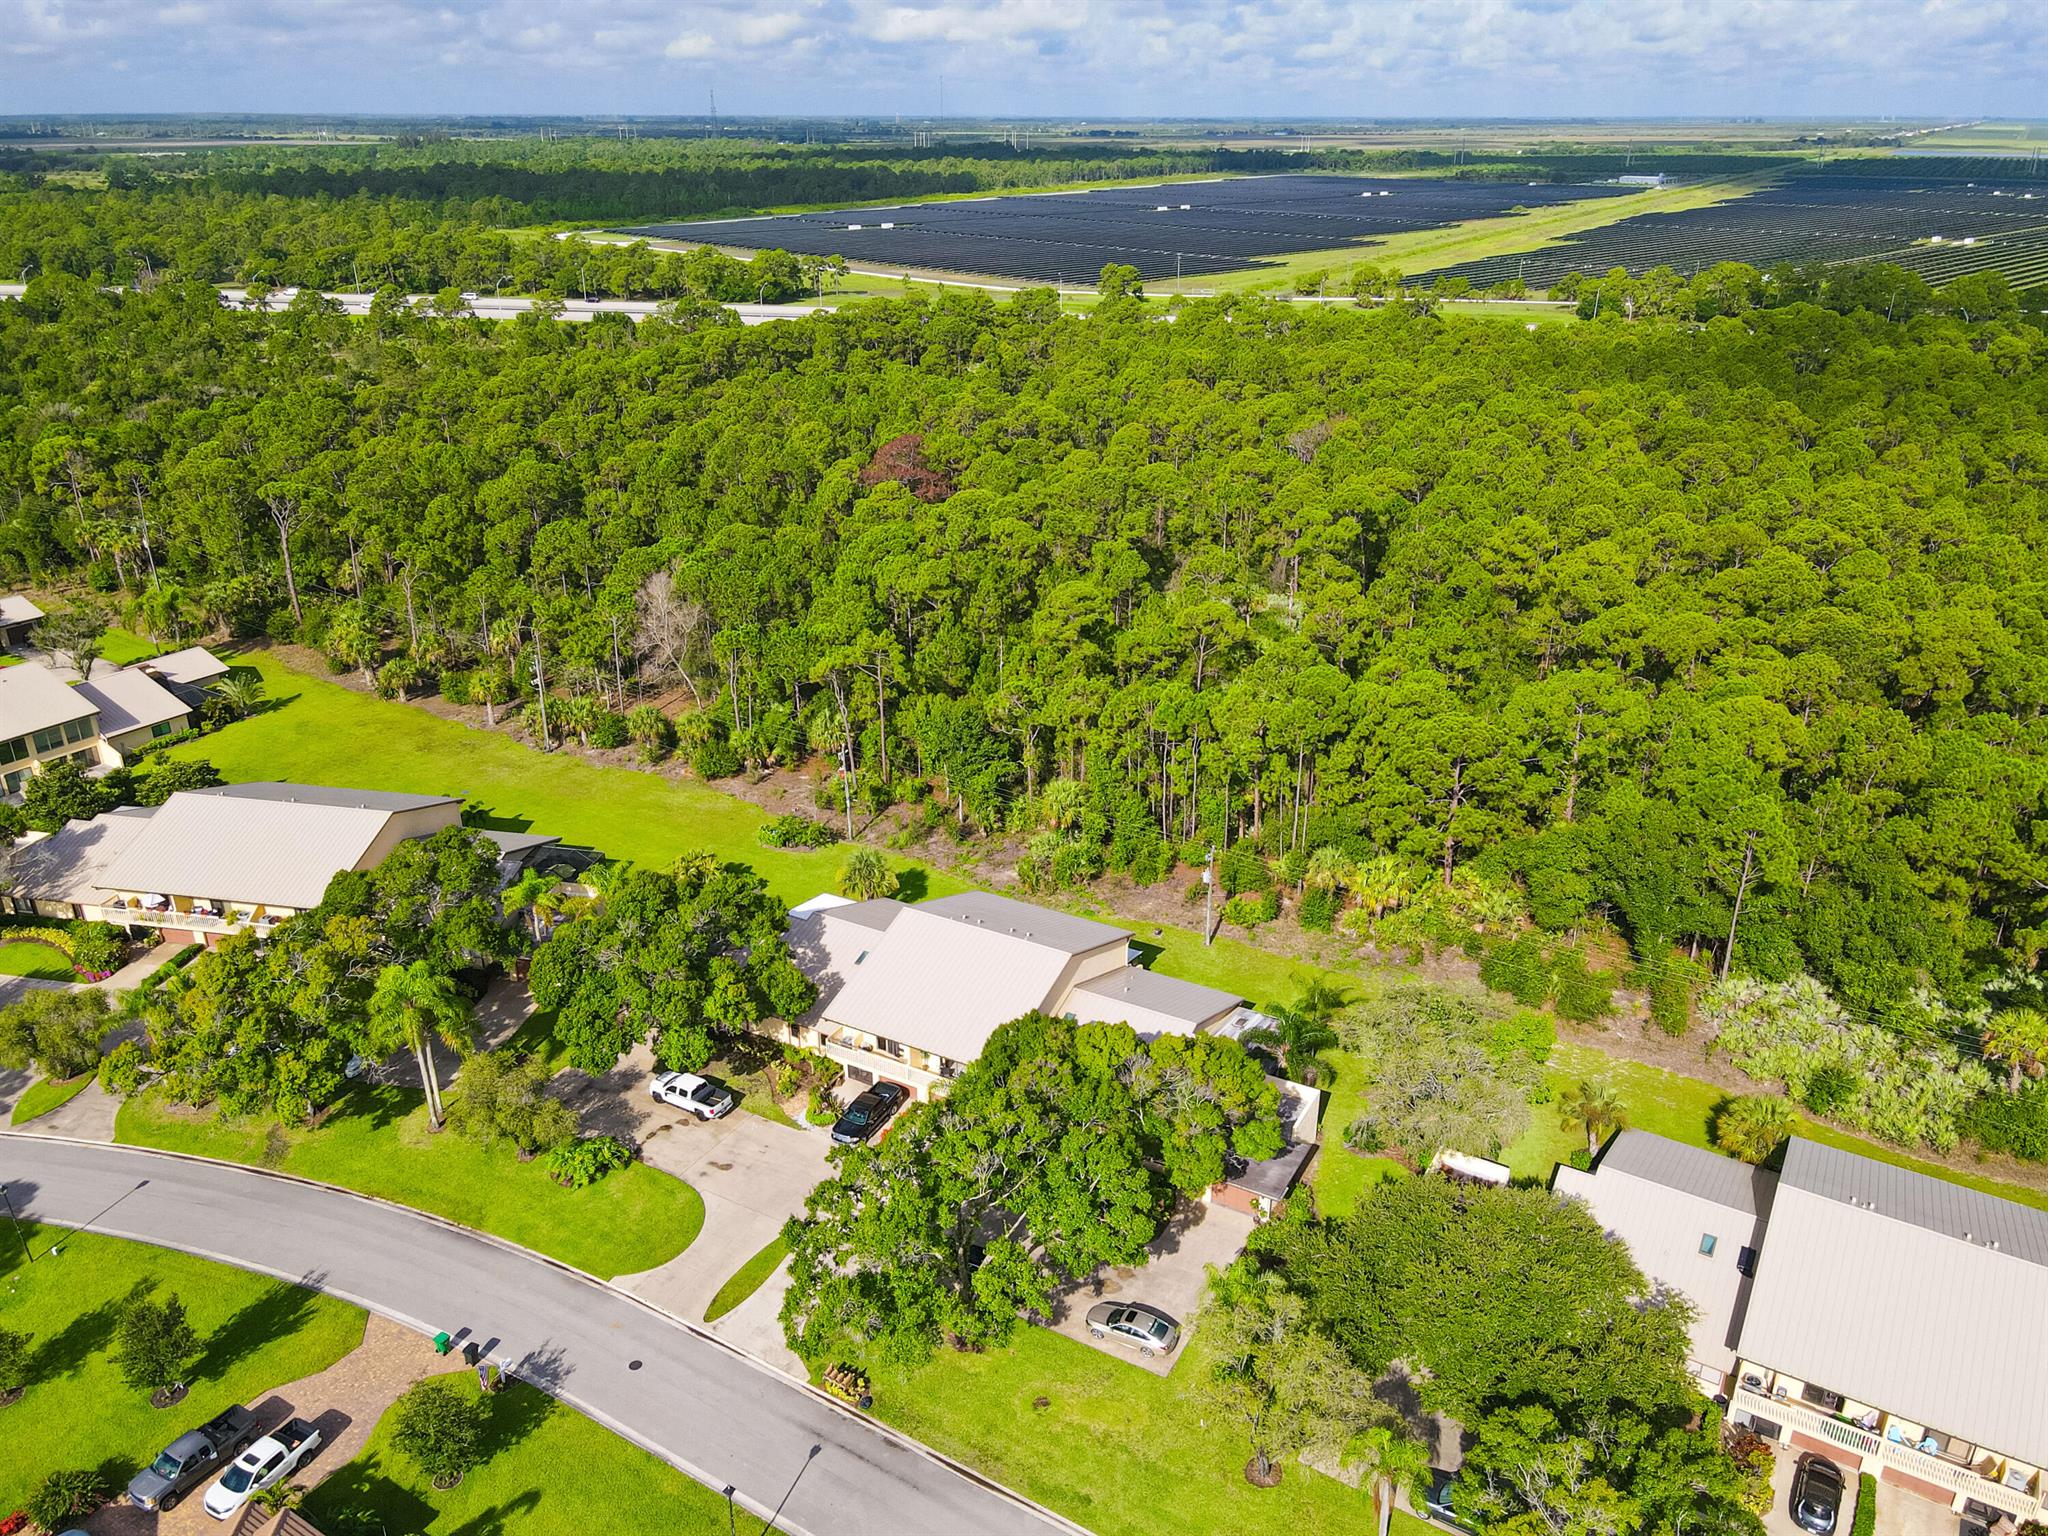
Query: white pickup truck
270, 1460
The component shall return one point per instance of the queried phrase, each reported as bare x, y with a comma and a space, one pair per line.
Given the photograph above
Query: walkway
714, 1413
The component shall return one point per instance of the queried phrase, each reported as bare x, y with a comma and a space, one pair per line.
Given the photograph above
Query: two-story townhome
1893, 1322
912, 993
98, 723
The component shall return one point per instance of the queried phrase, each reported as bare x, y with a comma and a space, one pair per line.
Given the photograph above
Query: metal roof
1884, 1285
67, 865
131, 701
1692, 1170
193, 665
16, 609
32, 699
1150, 1003
1020, 919
876, 914
277, 790
279, 851
943, 984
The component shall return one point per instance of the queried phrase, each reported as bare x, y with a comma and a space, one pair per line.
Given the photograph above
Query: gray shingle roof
1020, 919
383, 800
1694, 1170
31, 699
1867, 1285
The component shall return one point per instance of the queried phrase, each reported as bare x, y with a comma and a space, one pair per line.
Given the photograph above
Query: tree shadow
546, 1368
361, 1486
477, 814
500, 1518
516, 1411
276, 1313
88, 1334
912, 885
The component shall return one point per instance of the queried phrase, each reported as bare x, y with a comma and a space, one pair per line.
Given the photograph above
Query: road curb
824, 1399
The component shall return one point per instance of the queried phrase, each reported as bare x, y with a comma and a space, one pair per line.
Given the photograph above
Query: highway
487, 307
720, 1416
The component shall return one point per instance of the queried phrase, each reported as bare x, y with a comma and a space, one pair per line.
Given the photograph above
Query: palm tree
535, 893
241, 691
410, 1004
866, 875
2020, 1037
1598, 1108
1381, 883
1328, 868
1301, 1030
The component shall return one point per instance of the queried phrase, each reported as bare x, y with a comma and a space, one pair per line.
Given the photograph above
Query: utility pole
1209, 896
846, 784
19, 1235
540, 688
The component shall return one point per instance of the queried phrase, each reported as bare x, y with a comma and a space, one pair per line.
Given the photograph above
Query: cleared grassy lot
550, 1472
257, 1333
378, 1143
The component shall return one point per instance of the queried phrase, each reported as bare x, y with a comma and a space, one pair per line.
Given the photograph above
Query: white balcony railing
1871, 1446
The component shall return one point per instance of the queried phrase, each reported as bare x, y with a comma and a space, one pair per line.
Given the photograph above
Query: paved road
490, 308
711, 1411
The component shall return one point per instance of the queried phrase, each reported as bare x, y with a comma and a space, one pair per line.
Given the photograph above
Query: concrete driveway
1173, 1279
1778, 1521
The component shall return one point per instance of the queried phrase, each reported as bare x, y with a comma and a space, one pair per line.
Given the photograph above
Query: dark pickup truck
183, 1464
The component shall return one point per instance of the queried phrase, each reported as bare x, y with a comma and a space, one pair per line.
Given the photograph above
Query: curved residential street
718, 1415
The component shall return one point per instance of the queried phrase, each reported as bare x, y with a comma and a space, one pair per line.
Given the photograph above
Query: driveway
1778, 1521
1173, 1279
705, 1408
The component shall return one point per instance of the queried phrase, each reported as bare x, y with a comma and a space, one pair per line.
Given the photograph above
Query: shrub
652, 732
1318, 911
442, 1428
506, 1097
582, 1162
1870, 1077
715, 759
1242, 869
1075, 864
2013, 1122
121, 1071
1752, 1126
1581, 995
1151, 863
608, 730
97, 948
820, 1110
455, 683
1247, 910
797, 831
1669, 988
1524, 1033
866, 876
62, 1499
1865, 1521
167, 776
1520, 969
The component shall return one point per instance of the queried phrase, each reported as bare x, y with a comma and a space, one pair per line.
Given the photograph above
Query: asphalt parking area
1172, 1279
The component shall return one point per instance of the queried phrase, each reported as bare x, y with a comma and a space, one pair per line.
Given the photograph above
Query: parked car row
708, 1099
254, 1462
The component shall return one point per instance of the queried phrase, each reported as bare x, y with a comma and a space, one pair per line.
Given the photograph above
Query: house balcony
1870, 1450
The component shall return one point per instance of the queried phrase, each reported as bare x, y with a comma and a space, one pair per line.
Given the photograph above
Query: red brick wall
1828, 1448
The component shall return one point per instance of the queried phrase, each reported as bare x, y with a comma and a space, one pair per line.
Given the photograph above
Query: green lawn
46, 1094
379, 1144
120, 647
22, 958
749, 1278
551, 1472
1116, 1448
258, 1334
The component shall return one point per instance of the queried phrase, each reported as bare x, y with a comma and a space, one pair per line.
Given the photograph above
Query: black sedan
1817, 1495
868, 1114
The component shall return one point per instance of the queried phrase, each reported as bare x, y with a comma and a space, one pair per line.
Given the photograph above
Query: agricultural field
1166, 230
1934, 221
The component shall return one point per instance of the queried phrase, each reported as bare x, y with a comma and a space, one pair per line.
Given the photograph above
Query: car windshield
856, 1115
238, 1478
1159, 1328
166, 1465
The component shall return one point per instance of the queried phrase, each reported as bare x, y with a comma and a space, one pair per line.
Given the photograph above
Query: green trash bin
442, 1343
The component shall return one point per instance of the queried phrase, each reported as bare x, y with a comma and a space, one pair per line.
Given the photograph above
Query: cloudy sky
1184, 58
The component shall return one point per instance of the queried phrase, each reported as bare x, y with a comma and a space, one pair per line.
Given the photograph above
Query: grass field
379, 1144
749, 1278
1114, 1447
22, 958
46, 1094
78, 1412
550, 1472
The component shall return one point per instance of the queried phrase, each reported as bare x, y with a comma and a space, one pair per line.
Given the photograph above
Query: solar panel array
1920, 223
1186, 228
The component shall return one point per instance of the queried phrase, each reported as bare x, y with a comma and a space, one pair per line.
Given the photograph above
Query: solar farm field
1940, 226
1172, 229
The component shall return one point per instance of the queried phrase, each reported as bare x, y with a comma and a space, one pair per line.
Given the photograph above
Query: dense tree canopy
1731, 631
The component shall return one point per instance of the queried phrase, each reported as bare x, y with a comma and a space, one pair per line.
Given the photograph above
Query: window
161, 728
79, 730
14, 751
50, 739
1707, 1242
15, 781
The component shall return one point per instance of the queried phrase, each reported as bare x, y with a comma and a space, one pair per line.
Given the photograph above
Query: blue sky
1184, 58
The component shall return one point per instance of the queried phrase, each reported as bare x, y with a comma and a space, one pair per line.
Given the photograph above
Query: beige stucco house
102, 722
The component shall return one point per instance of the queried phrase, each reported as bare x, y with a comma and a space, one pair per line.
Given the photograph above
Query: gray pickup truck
183, 1464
